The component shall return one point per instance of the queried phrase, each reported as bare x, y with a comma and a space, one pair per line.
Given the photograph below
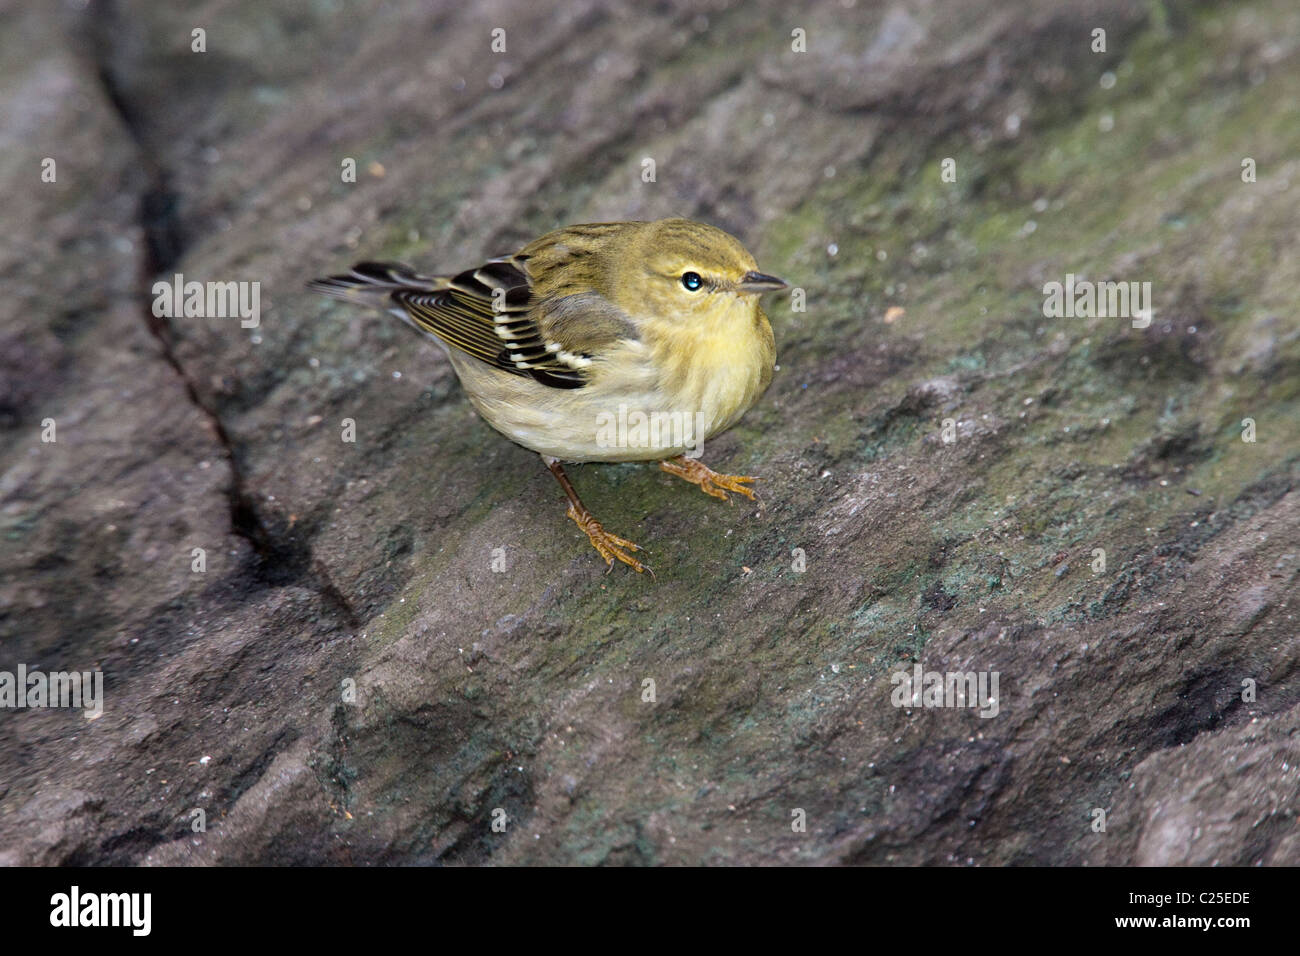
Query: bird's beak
757, 283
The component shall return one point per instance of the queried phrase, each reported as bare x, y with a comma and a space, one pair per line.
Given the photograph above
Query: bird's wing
488, 313
572, 319
495, 314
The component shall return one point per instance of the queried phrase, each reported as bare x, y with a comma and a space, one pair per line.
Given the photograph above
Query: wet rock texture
1156, 694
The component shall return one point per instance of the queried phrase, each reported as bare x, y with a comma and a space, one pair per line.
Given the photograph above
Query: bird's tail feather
371, 283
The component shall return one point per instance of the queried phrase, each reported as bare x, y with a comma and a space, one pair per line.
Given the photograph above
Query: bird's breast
718, 369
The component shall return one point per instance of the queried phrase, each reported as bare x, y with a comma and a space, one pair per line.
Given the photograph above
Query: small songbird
604, 342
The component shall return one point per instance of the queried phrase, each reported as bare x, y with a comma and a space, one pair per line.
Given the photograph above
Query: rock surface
1156, 692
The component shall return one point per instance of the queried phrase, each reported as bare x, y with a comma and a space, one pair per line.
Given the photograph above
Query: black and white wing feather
489, 313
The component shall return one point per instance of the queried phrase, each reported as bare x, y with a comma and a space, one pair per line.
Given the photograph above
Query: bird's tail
371, 283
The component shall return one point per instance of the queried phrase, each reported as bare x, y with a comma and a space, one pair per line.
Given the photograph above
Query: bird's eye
691, 281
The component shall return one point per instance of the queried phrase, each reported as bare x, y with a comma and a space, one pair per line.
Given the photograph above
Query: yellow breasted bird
610, 341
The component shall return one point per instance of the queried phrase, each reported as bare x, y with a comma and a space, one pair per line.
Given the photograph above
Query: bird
599, 342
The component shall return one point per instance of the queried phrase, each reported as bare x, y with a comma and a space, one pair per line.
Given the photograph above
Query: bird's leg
710, 482
610, 546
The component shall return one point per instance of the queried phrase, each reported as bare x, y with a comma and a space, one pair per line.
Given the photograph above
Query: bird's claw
609, 546
710, 482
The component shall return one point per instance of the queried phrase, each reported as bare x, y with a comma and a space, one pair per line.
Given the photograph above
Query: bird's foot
710, 481
610, 546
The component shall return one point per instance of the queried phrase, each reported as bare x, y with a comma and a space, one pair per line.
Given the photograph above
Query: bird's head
691, 270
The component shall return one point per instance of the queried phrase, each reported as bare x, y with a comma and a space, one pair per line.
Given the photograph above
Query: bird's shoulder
569, 273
